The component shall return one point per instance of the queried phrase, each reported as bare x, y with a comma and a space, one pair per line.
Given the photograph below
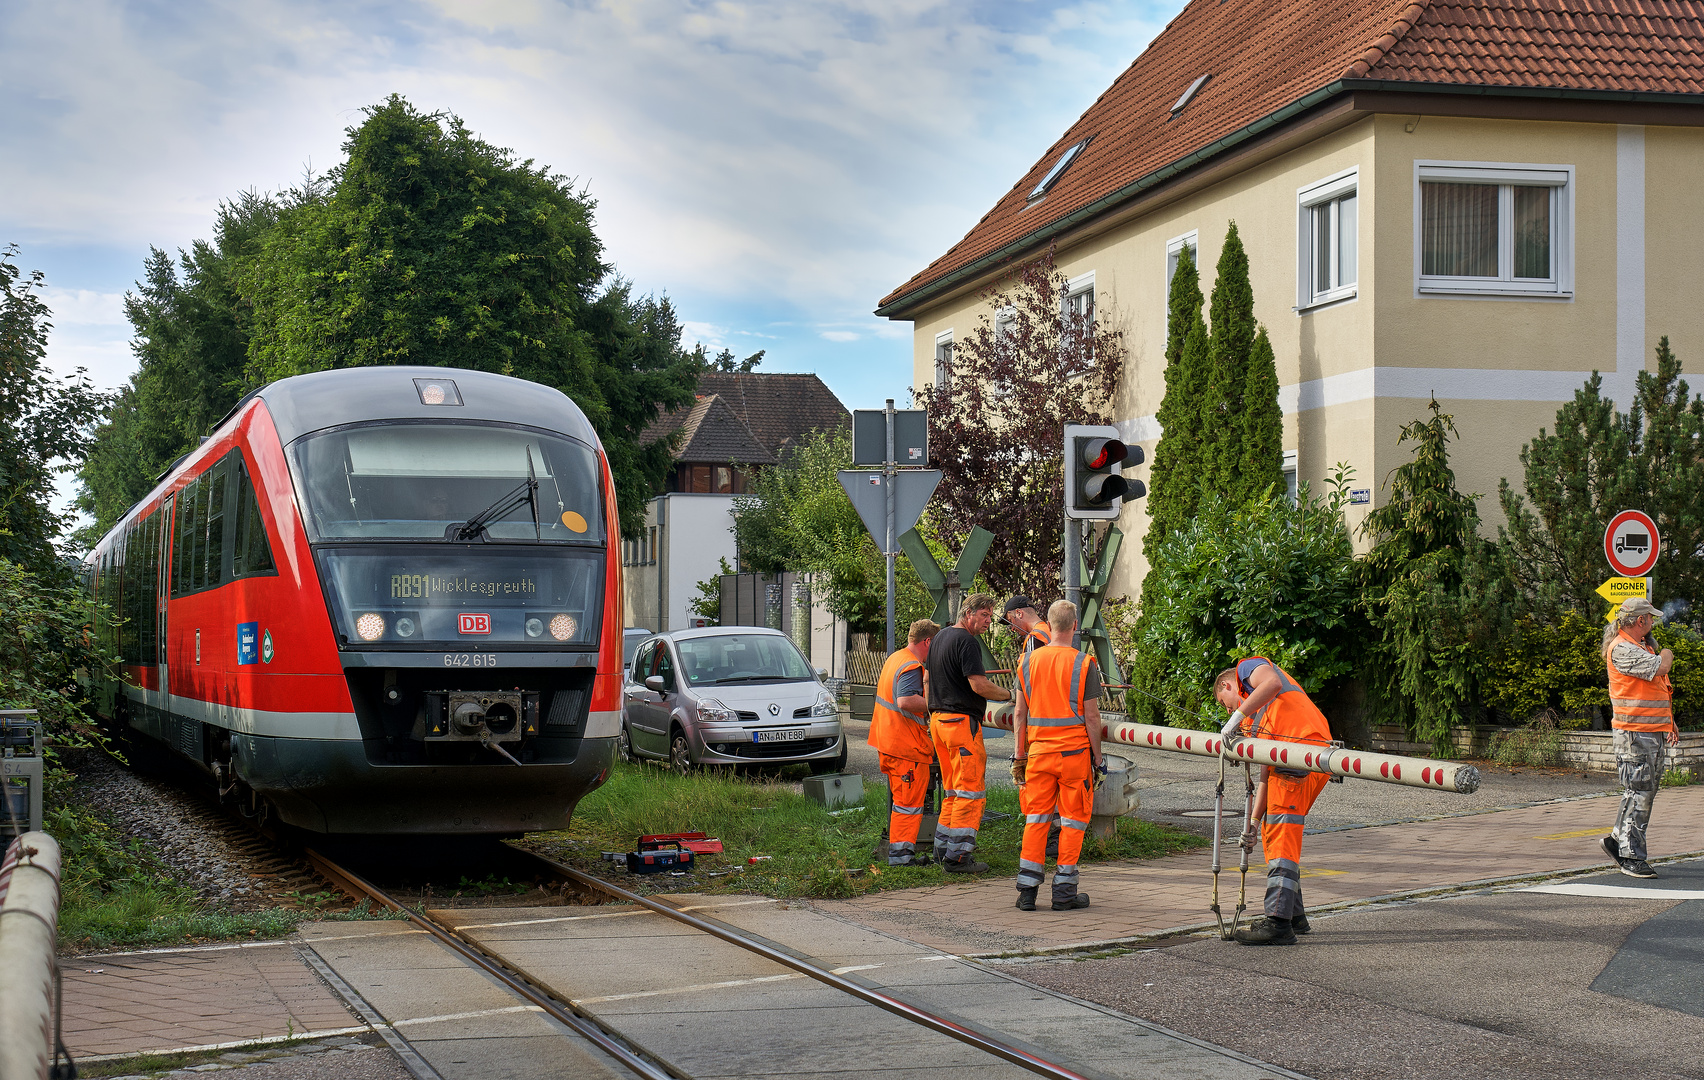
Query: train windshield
435, 481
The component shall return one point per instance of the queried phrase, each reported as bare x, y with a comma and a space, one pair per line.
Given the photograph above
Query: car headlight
371, 626
826, 705
714, 712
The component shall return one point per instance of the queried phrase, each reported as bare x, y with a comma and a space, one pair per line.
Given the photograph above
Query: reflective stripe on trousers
1288, 800
1639, 760
964, 765
908, 784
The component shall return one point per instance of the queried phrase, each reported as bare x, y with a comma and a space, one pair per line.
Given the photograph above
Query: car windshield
418, 481
740, 658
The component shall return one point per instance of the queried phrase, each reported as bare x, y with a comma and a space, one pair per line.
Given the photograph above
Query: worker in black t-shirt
959, 690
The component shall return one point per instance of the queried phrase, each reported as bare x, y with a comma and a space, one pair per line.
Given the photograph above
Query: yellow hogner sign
1617, 589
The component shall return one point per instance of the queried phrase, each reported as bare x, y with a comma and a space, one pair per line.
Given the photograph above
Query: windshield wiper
524, 495
748, 678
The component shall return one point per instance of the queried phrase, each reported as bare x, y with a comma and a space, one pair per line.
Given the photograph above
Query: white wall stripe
1629, 263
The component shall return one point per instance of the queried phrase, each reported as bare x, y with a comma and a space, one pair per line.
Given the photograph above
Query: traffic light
1095, 458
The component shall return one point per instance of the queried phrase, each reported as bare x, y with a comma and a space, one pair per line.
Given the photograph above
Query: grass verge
115, 894
810, 852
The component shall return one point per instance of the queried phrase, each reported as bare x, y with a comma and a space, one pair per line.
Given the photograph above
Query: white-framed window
1327, 239
1080, 296
1174, 247
1291, 484
1495, 229
1004, 320
944, 359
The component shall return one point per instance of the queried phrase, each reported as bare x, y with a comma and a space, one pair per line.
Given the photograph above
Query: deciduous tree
1032, 364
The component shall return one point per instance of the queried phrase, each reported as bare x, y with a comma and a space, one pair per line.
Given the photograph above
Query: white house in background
741, 421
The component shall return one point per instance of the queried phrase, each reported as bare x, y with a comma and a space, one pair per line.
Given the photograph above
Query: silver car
728, 695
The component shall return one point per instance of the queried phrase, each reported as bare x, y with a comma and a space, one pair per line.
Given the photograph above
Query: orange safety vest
1040, 636
1291, 716
1639, 704
1052, 681
895, 731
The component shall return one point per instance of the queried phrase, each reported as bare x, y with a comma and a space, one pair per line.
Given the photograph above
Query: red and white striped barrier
1340, 761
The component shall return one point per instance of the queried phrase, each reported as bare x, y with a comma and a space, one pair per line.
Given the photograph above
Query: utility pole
891, 547
1074, 561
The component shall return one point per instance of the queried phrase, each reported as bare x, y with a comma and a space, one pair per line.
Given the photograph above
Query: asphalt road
1519, 984
1177, 789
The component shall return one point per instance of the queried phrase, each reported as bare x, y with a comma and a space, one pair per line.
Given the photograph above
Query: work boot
1267, 931
966, 865
1636, 868
1612, 847
1299, 924
1080, 900
1026, 898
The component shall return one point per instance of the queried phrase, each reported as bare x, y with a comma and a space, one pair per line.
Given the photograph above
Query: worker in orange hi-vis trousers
959, 692
899, 730
1266, 703
1058, 761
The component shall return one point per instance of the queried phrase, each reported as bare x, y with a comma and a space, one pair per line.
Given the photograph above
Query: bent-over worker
899, 730
1026, 622
1057, 726
959, 692
1641, 698
1265, 700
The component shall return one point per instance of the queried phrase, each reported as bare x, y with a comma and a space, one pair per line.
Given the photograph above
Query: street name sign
1631, 543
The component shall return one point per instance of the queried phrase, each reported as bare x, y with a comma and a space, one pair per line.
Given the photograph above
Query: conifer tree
1173, 486
1262, 442
1432, 591
1231, 317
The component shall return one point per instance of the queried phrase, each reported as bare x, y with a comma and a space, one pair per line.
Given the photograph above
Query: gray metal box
20, 796
835, 791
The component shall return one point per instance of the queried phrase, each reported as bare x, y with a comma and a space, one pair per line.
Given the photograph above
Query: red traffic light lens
1102, 453
1099, 461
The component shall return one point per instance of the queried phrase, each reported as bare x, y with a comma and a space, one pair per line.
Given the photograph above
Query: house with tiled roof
739, 421
1483, 201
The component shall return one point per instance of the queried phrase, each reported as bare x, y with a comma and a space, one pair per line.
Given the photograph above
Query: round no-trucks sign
1631, 543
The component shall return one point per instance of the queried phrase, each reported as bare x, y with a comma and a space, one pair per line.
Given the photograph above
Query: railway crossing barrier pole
1396, 769
29, 976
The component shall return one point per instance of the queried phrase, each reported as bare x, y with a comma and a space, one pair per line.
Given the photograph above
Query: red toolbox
695, 842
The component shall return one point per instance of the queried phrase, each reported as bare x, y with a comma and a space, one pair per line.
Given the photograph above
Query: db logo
473, 624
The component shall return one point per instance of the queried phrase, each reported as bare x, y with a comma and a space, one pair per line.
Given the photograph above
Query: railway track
605, 1037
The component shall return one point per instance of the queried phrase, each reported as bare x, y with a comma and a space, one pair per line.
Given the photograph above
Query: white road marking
467, 1015
265, 1040
609, 915
687, 989
1618, 892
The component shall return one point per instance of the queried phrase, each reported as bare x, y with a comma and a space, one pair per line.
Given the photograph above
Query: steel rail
1020, 1058
355, 885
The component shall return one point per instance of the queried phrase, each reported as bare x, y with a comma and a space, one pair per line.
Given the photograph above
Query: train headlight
371, 626
563, 627
826, 705
406, 627
535, 627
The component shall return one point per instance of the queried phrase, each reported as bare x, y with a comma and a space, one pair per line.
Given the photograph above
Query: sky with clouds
774, 168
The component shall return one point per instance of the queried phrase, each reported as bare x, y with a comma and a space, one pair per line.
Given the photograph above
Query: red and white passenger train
378, 600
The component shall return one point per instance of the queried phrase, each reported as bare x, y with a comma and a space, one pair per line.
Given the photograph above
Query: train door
162, 591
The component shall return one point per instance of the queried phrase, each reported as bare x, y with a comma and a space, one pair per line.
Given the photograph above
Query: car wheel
624, 745
680, 753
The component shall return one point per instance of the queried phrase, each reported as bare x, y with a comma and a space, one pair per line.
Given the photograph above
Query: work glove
1018, 767
1099, 776
1232, 731
1246, 842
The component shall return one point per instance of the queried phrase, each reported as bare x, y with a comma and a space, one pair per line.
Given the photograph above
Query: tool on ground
659, 859
695, 842
1218, 833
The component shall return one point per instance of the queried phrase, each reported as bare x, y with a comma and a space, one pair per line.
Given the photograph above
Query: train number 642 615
470, 659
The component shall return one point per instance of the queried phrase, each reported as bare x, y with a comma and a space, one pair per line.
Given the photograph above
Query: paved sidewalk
1147, 897
152, 1001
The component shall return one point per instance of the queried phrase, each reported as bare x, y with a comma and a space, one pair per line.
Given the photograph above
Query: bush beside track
810, 851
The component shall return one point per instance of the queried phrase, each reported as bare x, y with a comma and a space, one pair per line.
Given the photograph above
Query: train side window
213, 572
148, 586
251, 552
183, 544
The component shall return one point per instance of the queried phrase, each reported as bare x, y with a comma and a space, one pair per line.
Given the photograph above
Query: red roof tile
1264, 55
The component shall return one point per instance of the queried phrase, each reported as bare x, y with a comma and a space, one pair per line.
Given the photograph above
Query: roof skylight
1058, 169
1190, 93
